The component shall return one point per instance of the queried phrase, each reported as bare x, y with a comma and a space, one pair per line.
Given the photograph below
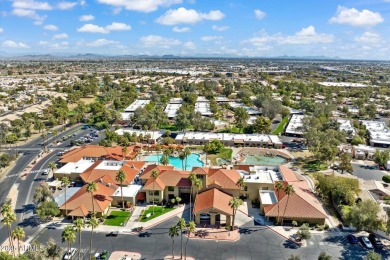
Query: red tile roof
213, 199
79, 212
159, 168
82, 198
227, 179
169, 178
288, 174
97, 151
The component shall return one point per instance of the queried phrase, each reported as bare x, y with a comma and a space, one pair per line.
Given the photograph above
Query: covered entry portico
212, 208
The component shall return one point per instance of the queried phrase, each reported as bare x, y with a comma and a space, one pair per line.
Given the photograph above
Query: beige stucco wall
253, 189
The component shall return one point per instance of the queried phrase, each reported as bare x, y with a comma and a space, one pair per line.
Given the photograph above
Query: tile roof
227, 179
213, 199
97, 151
301, 204
159, 168
130, 168
288, 174
101, 199
169, 178
200, 170
79, 212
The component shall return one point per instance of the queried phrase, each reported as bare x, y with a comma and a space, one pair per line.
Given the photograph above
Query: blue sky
357, 29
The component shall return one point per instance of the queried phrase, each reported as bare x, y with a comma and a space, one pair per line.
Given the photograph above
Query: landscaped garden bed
158, 211
117, 218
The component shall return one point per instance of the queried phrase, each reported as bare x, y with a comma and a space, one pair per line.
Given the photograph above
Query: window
199, 176
264, 188
245, 188
171, 188
156, 193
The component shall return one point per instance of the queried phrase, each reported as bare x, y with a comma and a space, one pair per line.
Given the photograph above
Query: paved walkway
124, 255
216, 234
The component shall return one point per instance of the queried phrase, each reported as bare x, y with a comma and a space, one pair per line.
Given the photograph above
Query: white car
204, 216
70, 254
366, 242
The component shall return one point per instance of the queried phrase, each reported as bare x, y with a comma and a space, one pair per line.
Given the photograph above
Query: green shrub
386, 178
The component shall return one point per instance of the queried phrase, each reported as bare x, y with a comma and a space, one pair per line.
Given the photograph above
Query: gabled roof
213, 199
130, 168
201, 170
227, 179
288, 174
169, 178
159, 168
79, 212
97, 151
301, 204
101, 199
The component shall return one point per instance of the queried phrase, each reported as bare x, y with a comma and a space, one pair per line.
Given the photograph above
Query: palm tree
52, 166
93, 223
91, 188
78, 225
124, 152
44, 134
121, 177
173, 231
234, 203
190, 229
192, 179
240, 183
181, 225
187, 152
198, 185
154, 175
182, 156
68, 235
158, 149
9, 217
53, 250
207, 148
289, 190
65, 182
164, 159
18, 234
278, 186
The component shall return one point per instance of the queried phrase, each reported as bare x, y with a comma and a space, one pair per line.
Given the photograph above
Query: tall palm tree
173, 231
44, 135
9, 217
181, 225
207, 148
121, 177
164, 159
158, 149
192, 179
79, 224
278, 186
190, 229
240, 183
18, 234
91, 188
154, 175
198, 185
182, 156
68, 235
289, 190
93, 223
124, 152
187, 152
52, 166
65, 182
234, 203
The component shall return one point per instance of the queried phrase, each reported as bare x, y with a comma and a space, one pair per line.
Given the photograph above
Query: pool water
263, 160
192, 161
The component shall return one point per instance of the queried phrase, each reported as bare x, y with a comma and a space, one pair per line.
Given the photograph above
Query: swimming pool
192, 160
264, 160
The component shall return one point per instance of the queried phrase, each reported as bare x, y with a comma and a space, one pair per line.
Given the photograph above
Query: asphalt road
367, 172
256, 242
24, 204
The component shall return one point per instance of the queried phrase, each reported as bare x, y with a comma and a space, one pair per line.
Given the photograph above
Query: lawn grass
158, 211
169, 127
314, 166
280, 127
232, 130
225, 153
117, 218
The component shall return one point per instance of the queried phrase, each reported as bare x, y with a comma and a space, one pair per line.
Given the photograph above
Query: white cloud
61, 45
66, 5
30, 14
16, 45
141, 5
1, 30
305, 36
43, 43
92, 28
211, 38
219, 28
60, 36
86, 18
189, 45
158, 41
98, 43
181, 29
50, 27
82, 2
259, 14
369, 37
188, 16
32, 5
354, 17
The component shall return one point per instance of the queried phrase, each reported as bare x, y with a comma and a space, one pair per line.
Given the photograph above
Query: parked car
352, 239
204, 216
70, 254
113, 234
366, 243
103, 255
375, 241
86, 127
